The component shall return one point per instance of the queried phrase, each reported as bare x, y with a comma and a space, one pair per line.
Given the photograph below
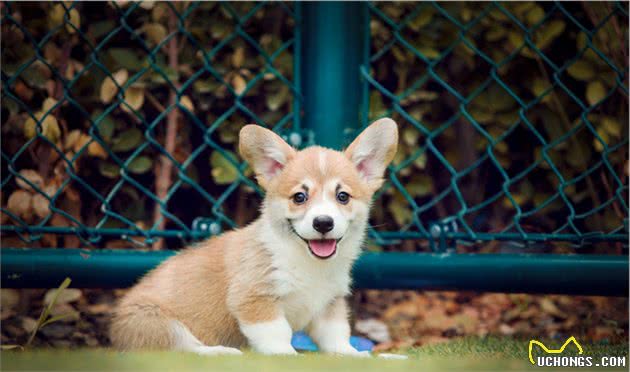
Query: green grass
510, 348
487, 354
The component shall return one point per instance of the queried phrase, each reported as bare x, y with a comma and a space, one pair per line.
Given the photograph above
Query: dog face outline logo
553, 351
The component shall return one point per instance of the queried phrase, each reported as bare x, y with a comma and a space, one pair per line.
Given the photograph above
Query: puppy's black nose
323, 224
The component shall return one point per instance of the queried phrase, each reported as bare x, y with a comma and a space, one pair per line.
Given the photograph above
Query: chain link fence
513, 122
120, 120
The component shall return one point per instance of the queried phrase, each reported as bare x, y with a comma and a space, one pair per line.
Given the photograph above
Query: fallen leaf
595, 92
187, 103
238, 57
74, 19
95, 149
140, 165
40, 205
155, 32
548, 306
66, 296
506, 330
374, 329
67, 313
81, 142
51, 189
102, 308
29, 324
239, 84
55, 15
49, 126
20, 203
10, 347
48, 104
9, 298
71, 138
31, 176
109, 88
134, 97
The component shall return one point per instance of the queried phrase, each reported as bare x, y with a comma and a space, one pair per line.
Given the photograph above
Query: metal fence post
332, 51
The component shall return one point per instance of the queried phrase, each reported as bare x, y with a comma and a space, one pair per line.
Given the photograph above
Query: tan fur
254, 142
306, 165
192, 287
383, 136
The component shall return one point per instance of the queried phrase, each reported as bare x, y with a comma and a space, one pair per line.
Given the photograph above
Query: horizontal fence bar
510, 273
514, 273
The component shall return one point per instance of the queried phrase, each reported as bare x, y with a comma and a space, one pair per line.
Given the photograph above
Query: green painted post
332, 51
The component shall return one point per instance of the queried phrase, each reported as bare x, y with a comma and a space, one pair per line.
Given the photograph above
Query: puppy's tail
141, 324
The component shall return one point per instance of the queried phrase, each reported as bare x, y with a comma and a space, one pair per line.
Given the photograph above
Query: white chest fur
305, 284
305, 293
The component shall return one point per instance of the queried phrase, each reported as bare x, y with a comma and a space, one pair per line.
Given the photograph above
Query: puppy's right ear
265, 152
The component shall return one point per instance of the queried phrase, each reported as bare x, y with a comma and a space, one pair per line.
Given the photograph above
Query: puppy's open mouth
323, 248
320, 248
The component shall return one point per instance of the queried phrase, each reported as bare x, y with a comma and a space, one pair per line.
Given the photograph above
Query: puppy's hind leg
139, 323
183, 340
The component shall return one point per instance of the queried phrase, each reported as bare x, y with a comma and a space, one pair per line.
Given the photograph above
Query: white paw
392, 356
216, 350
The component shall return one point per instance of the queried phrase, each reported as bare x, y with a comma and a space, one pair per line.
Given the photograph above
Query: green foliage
104, 88
521, 102
126, 115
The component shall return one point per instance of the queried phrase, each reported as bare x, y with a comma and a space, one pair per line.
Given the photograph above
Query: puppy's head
320, 196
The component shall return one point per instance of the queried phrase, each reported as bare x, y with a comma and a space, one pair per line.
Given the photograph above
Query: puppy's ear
265, 152
373, 150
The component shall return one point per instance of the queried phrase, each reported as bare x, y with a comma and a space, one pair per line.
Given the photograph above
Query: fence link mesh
119, 121
513, 117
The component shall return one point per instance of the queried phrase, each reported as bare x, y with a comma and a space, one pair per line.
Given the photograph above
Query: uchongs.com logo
554, 357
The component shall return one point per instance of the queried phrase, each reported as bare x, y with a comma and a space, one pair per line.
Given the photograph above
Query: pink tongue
323, 248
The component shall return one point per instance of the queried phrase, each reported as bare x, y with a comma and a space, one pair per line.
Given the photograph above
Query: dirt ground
394, 319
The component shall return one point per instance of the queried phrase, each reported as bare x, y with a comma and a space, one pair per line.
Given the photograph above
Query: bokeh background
120, 121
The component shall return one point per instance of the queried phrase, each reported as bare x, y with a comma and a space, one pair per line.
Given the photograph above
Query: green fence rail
523, 273
119, 125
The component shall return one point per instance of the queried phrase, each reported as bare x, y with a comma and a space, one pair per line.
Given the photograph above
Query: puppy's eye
299, 198
343, 197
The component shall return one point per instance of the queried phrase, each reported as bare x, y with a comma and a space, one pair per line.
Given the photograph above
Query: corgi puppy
287, 271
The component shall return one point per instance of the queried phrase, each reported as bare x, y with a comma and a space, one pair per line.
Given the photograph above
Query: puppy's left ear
265, 151
373, 150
